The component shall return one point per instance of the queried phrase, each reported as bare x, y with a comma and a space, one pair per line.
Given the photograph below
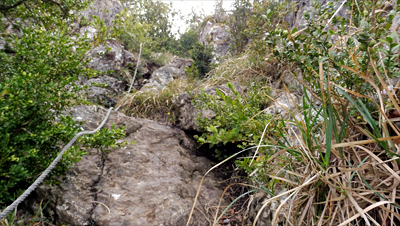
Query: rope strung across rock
31, 188
137, 66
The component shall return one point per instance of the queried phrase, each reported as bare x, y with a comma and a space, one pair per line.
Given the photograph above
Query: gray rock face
105, 60
104, 9
187, 113
101, 96
129, 58
216, 35
113, 84
152, 182
166, 74
285, 103
90, 32
296, 18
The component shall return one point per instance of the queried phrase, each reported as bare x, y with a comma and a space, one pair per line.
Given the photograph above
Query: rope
31, 188
133, 80
137, 65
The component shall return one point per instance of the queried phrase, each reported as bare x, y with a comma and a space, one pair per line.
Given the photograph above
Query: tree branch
4, 8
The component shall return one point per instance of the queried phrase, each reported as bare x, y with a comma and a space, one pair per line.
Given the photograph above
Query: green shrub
202, 57
147, 22
187, 42
37, 84
234, 121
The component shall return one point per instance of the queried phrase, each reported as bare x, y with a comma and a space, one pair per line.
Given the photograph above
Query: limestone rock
268, 213
112, 84
152, 182
296, 19
218, 36
284, 104
129, 58
89, 31
107, 60
166, 74
101, 96
105, 10
186, 113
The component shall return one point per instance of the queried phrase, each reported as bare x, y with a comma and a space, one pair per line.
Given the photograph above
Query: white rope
137, 65
31, 188
340, 7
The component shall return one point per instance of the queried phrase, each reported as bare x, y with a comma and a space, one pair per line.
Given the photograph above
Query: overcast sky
185, 7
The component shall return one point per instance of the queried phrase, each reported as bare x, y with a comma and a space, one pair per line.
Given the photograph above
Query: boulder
267, 215
89, 31
101, 96
166, 74
151, 182
107, 57
129, 58
114, 85
186, 113
216, 35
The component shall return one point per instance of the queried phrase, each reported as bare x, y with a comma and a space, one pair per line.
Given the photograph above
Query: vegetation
334, 161
39, 67
232, 122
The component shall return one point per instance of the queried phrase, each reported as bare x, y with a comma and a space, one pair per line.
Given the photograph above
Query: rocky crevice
96, 188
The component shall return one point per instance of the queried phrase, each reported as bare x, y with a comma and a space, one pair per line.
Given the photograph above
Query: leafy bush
38, 83
238, 25
147, 22
187, 42
249, 22
202, 57
234, 121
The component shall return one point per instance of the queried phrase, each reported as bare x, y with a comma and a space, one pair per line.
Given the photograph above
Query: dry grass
156, 105
357, 185
246, 69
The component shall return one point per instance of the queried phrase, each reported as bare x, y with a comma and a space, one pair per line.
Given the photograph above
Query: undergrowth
335, 160
157, 105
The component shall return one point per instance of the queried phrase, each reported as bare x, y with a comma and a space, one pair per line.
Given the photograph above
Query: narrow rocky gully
154, 179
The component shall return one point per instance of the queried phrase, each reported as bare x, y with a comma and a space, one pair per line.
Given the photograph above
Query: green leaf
322, 59
394, 35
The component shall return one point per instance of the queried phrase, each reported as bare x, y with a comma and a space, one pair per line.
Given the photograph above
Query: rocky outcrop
295, 17
216, 35
107, 57
166, 74
110, 83
105, 10
285, 104
104, 89
151, 182
186, 113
